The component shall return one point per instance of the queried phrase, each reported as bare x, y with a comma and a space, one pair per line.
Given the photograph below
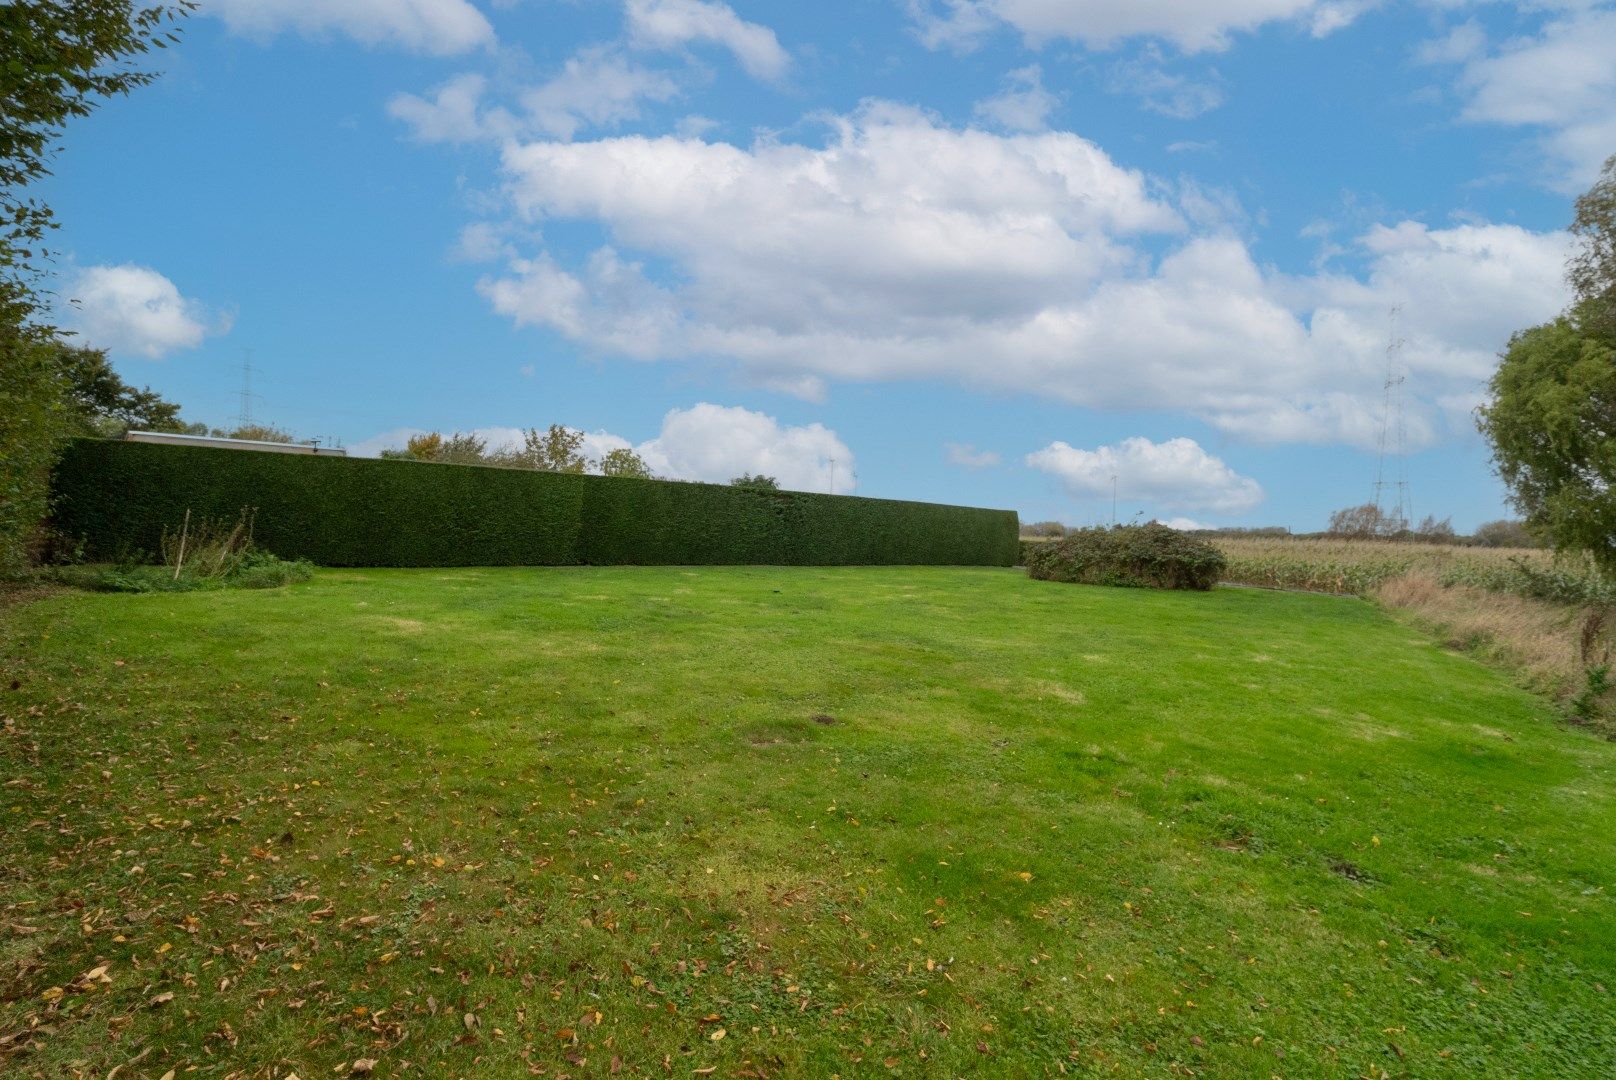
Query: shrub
119, 496
1030, 545
1504, 533
1147, 556
34, 419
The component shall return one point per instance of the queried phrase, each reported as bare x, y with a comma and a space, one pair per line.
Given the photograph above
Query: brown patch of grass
1549, 648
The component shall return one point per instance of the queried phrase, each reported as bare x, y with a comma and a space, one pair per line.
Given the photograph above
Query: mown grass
881, 821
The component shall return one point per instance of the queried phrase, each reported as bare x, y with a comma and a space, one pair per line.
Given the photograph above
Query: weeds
203, 555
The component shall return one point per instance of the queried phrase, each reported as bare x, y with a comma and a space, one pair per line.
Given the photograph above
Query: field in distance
1358, 566
787, 822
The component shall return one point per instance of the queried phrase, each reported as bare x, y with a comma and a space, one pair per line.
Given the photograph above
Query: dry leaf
363, 1067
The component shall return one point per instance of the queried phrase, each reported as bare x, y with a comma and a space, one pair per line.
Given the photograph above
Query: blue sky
983, 251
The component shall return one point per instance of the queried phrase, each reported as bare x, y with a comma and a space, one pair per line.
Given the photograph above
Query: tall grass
1545, 619
1358, 567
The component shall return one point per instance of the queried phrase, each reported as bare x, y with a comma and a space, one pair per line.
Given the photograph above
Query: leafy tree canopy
624, 462
60, 57
1592, 272
1363, 521
1551, 421
756, 483
104, 404
1504, 533
555, 449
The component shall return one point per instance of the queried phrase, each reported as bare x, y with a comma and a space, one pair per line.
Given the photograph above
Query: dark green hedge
117, 497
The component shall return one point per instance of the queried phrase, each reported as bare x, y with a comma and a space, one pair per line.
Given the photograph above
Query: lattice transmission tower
244, 417
1394, 513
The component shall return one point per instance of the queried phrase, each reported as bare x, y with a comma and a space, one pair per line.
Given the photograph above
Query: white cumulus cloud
716, 443
1175, 475
904, 249
672, 24
438, 27
134, 309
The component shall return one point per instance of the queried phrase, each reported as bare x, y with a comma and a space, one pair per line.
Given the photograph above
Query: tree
756, 483
1360, 521
418, 448
104, 404
1044, 528
556, 449
1504, 534
58, 59
1592, 273
624, 462
466, 448
1551, 420
259, 433
61, 58
1432, 531
461, 448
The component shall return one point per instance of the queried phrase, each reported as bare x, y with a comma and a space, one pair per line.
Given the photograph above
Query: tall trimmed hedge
117, 497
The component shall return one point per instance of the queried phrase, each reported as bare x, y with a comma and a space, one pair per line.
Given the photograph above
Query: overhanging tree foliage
58, 60
1551, 421
1592, 273
1551, 413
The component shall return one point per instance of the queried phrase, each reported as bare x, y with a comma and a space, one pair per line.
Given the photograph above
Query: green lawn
769, 822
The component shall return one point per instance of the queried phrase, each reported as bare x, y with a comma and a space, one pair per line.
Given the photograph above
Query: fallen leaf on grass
161, 999
362, 1067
